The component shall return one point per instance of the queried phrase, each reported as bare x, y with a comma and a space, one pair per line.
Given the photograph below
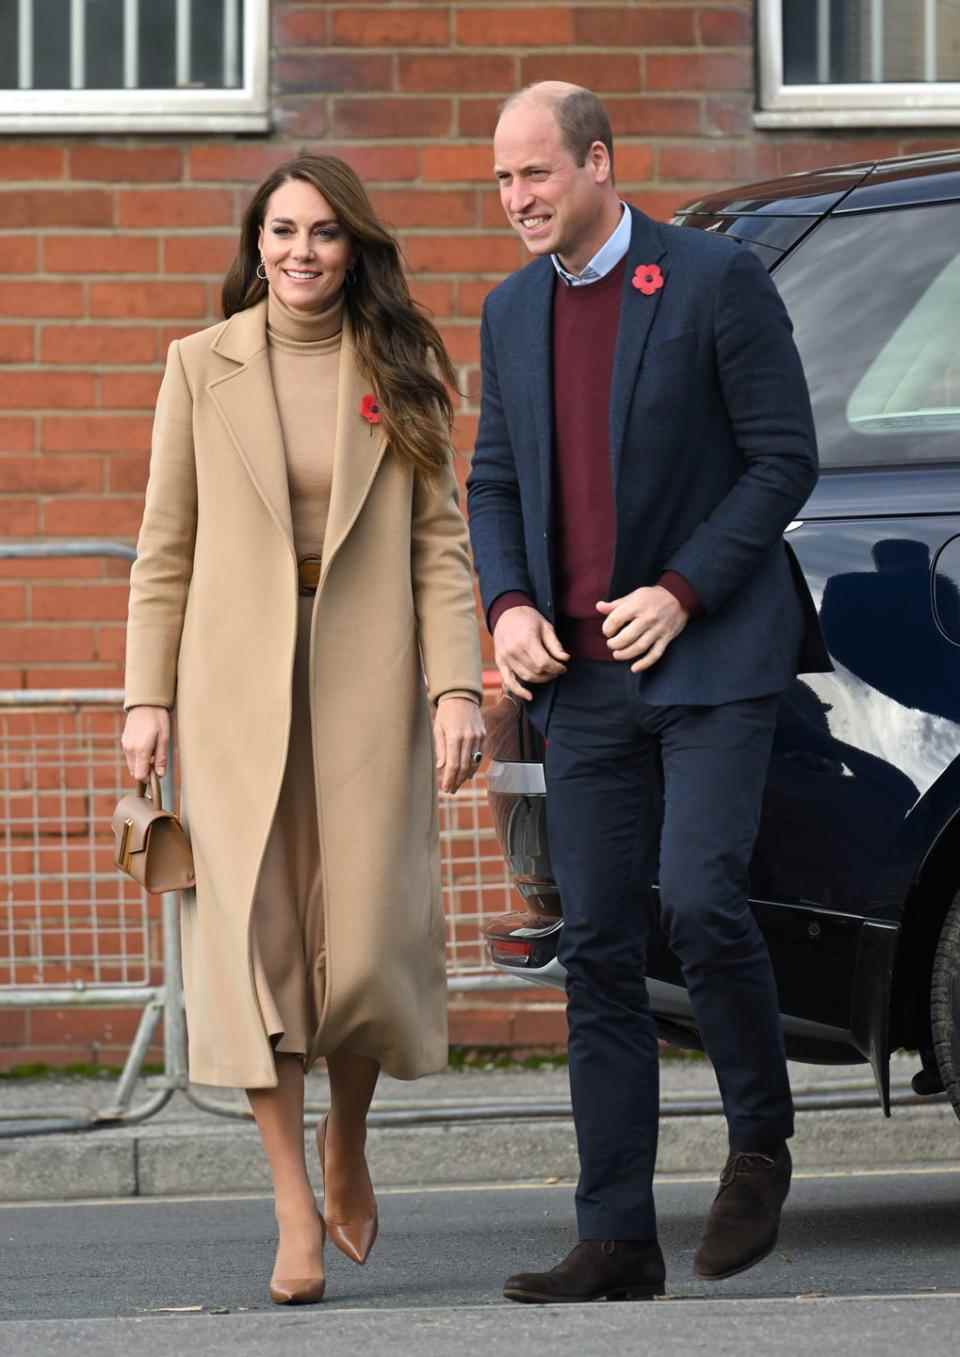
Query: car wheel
945, 1003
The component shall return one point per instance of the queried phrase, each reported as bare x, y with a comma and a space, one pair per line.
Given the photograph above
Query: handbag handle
156, 795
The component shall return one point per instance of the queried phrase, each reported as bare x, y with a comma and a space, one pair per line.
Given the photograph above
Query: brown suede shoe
596, 1269
744, 1220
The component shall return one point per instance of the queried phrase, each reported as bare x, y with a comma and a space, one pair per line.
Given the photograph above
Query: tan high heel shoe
301, 1290
355, 1238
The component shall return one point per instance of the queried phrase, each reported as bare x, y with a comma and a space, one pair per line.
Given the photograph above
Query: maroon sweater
585, 323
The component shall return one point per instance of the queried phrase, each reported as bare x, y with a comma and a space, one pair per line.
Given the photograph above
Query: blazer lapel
538, 359
248, 408
637, 313
358, 451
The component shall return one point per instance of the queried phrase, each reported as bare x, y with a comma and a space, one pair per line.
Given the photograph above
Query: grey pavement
185, 1150
867, 1260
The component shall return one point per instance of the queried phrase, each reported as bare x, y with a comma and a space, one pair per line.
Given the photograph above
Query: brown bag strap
156, 795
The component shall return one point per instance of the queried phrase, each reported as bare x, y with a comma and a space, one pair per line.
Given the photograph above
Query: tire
945, 1003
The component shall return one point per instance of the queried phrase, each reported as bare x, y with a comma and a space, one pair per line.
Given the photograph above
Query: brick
478, 117
182, 207
540, 26
168, 333
128, 475
462, 254
18, 254
100, 254
13, 608
336, 73
51, 475
471, 296
725, 28
654, 116
111, 643
79, 603
703, 162
491, 211
98, 344
28, 161
730, 117
63, 644
29, 389
392, 117
16, 343
41, 299
757, 160
36, 208
424, 207
460, 74
227, 160
457, 164
130, 164
436, 297
148, 300
14, 1027
302, 27
95, 433
629, 27
463, 343
389, 28
302, 119
130, 390
72, 1027
699, 71
632, 163
818, 153
102, 517
604, 72
480, 1027
199, 254
390, 163
103, 676
41, 568
17, 433
18, 518
661, 204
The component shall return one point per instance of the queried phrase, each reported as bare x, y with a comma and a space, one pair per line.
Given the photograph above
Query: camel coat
211, 631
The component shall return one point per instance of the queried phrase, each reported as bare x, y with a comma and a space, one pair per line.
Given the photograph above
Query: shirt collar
607, 257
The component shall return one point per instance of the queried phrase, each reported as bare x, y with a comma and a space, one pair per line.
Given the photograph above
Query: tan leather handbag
152, 845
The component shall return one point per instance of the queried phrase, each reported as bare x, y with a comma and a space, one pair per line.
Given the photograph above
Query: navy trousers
638, 794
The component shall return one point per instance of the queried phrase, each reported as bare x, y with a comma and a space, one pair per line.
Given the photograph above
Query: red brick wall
109, 248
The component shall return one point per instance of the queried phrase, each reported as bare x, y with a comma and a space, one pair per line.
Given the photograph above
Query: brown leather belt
308, 574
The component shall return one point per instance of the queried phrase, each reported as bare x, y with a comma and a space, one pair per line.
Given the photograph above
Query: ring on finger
476, 758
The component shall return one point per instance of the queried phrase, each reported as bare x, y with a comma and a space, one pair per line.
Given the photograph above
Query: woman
302, 564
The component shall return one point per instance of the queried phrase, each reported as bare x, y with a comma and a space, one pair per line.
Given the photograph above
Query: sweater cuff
682, 590
460, 692
515, 599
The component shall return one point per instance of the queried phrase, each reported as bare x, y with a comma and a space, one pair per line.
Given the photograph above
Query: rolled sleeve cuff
682, 590
516, 599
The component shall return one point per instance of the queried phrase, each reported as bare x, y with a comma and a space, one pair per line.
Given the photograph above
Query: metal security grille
67, 916
474, 878
125, 44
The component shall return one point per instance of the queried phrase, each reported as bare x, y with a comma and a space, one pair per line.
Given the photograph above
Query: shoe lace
744, 1162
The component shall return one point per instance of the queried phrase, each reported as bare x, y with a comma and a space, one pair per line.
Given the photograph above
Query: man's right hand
526, 650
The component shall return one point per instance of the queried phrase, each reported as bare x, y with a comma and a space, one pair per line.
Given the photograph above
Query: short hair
580, 115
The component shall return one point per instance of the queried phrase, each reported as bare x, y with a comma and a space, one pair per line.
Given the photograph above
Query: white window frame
880, 104
245, 108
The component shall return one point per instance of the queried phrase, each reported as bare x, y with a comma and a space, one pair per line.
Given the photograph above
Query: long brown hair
398, 346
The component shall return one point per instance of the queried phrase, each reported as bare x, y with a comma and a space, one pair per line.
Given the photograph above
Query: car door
864, 757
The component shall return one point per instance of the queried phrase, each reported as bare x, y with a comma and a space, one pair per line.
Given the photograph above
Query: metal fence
75, 932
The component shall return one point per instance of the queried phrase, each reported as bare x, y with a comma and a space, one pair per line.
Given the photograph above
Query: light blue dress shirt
607, 257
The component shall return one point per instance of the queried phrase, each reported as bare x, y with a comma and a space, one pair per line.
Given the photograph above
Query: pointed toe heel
301, 1290
356, 1237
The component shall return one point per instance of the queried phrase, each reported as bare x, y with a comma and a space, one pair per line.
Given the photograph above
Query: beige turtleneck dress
288, 927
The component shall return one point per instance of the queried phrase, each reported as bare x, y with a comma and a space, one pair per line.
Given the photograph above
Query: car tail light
510, 950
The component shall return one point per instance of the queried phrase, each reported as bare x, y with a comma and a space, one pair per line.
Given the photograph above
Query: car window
875, 301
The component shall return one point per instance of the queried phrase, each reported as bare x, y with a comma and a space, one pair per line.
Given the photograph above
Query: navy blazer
713, 452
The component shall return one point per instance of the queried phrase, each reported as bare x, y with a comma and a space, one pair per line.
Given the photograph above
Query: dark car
856, 876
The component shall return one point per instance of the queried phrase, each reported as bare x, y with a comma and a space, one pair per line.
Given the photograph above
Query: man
645, 438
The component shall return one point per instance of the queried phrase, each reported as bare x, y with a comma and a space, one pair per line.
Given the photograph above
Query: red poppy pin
370, 409
648, 279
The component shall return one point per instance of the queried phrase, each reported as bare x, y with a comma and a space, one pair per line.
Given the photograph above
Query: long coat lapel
245, 400
538, 360
358, 451
637, 314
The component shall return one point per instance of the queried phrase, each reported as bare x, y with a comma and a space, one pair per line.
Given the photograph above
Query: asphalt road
867, 1261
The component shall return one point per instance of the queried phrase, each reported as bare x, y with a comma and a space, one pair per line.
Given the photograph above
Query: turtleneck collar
302, 327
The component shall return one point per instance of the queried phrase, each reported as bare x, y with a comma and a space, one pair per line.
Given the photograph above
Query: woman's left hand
458, 734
